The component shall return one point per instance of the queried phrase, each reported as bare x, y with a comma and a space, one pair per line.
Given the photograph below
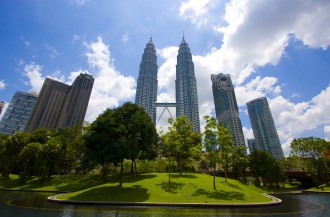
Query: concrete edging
275, 201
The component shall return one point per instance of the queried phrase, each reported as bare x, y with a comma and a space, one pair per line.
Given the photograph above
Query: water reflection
34, 204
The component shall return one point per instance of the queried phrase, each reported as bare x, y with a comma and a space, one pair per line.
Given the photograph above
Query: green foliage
29, 159
311, 150
225, 141
179, 143
126, 132
263, 165
240, 162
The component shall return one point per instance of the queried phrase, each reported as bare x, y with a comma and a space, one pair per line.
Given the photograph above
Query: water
34, 204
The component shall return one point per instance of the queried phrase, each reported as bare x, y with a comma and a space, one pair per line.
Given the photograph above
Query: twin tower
185, 85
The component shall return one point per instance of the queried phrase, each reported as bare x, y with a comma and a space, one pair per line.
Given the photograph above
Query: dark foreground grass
153, 187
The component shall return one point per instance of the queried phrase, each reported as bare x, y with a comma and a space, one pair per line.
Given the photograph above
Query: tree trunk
136, 172
132, 167
215, 188
169, 170
225, 174
121, 174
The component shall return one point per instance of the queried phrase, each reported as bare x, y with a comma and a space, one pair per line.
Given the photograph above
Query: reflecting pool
34, 204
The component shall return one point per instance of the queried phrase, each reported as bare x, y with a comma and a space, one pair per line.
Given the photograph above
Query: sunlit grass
153, 187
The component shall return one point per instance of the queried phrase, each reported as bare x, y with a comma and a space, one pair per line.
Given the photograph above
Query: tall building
252, 144
60, 105
17, 113
263, 127
226, 108
186, 87
2, 104
146, 90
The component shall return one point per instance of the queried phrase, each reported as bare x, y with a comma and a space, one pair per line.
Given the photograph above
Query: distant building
146, 90
17, 113
2, 104
263, 127
226, 108
186, 87
60, 105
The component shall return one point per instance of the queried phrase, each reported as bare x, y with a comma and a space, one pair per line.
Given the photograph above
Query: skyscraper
186, 87
17, 113
226, 108
263, 127
146, 90
60, 105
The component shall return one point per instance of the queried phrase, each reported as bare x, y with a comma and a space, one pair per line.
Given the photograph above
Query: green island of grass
152, 187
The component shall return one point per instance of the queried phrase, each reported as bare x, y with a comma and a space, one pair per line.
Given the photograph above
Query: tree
225, 141
169, 148
3, 140
240, 162
126, 132
136, 134
263, 165
210, 143
13, 147
312, 150
29, 159
100, 139
182, 135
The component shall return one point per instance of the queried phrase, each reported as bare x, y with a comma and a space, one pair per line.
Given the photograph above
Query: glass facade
186, 87
226, 108
146, 90
17, 113
263, 126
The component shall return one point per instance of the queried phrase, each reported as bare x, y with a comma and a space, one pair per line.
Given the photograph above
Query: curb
275, 201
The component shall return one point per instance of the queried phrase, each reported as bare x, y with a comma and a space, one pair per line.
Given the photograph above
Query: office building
17, 114
186, 87
60, 105
252, 144
226, 108
146, 90
263, 127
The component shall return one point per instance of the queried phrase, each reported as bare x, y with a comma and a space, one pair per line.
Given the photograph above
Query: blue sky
273, 48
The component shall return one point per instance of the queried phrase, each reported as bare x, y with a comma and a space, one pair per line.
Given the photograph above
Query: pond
34, 204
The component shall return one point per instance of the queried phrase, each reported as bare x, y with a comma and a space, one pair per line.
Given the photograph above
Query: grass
320, 188
153, 187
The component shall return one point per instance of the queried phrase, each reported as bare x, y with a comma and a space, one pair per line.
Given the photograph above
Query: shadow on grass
114, 193
61, 183
220, 195
190, 176
231, 185
171, 187
137, 178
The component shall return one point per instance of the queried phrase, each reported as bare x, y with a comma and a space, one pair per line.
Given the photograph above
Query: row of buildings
226, 109
58, 106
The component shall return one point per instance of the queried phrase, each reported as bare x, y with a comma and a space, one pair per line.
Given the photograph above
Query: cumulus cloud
4, 110
292, 120
195, 11
33, 72
80, 2
110, 86
2, 84
327, 132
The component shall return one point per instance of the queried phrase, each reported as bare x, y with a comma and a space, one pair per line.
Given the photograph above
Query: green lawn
153, 187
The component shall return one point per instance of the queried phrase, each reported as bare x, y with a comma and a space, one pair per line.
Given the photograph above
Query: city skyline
266, 55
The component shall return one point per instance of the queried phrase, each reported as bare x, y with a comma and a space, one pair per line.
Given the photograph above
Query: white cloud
33, 72
327, 132
125, 37
75, 38
110, 86
2, 84
53, 52
195, 11
4, 110
81, 2
293, 120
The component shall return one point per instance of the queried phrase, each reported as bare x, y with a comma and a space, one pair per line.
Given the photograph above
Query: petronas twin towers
185, 84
